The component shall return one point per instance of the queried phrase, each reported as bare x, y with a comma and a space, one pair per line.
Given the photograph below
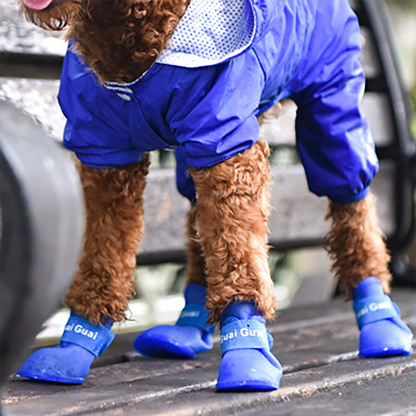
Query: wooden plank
376, 107
280, 131
296, 217
37, 66
165, 213
393, 395
38, 98
299, 215
17, 35
306, 386
291, 223
369, 57
316, 346
344, 378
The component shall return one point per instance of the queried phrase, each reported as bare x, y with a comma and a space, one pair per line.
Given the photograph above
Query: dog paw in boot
383, 333
70, 361
190, 335
247, 363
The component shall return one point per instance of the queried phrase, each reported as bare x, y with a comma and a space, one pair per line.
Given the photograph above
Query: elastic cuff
109, 160
195, 293
195, 315
204, 161
371, 286
93, 338
350, 198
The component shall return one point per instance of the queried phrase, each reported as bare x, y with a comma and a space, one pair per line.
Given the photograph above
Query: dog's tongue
37, 4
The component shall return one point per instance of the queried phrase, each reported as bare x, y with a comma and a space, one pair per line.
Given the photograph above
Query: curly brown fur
195, 260
232, 209
57, 16
356, 244
195, 271
118, 39
114, 204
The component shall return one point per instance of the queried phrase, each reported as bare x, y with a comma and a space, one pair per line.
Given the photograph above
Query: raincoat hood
216, 31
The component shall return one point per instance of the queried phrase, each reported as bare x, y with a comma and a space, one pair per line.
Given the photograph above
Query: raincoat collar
211, 32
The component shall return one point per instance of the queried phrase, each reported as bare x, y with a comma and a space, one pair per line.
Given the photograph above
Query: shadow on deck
317, 346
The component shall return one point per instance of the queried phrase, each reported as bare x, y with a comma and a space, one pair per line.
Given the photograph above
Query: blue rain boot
383, 332
247, 363
190, 335
70, 361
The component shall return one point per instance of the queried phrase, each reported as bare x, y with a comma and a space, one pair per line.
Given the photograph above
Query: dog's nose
37, 4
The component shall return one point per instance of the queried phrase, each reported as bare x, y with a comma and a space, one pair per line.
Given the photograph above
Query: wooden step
317, 347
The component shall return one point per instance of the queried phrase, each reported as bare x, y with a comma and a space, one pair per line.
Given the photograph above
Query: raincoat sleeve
97, 129
333, 137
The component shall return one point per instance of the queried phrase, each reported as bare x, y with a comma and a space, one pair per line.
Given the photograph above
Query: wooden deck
317, 346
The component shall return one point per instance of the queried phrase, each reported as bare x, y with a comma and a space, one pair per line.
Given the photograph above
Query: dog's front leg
232, 210
361, 264
114, 205
104, 282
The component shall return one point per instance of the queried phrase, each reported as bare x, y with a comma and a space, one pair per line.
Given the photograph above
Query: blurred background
300, 276
403, 19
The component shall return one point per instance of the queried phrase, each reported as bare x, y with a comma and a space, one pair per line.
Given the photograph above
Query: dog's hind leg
104, 282
360, 262
356, 244
232, 210
191, 334
195, 270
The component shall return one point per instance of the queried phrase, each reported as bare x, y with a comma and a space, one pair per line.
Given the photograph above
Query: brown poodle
134, 49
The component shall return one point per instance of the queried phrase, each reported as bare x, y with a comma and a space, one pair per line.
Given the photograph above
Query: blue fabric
195, 315
373, 309
195, 293
184, 182
303, 49
65, 363
382, 331
70, 361
237, 320
249, 370
190, 336
247, 363
371, 286
244, 334
242, 311
93, 338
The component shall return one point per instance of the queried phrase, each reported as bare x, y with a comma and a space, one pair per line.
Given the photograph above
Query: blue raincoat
229, 61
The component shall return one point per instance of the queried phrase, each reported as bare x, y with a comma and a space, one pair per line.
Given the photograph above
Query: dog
198, 77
